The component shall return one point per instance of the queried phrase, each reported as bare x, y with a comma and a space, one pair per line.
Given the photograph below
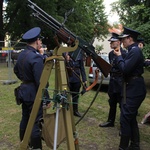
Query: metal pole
9, 65
56, 127
9, 81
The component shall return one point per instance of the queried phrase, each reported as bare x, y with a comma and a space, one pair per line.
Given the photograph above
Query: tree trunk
1, 22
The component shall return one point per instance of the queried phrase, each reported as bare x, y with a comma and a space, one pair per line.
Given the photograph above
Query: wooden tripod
61, 83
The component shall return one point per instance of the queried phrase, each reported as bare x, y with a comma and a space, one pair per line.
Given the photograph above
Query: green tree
99, 48
135, 14
87, 21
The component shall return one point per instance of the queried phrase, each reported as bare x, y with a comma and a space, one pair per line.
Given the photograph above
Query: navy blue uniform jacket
115, 83
132, 66
78, 67
28, 69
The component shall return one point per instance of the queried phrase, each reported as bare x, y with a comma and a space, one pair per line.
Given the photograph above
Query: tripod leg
56, 127
61, 83
43, 82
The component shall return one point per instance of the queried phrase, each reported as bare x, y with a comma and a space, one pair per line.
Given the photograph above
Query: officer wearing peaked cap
134, 90
32, 35
127, 32
75, 70
114, 37
115, 83
140, 42
28, 69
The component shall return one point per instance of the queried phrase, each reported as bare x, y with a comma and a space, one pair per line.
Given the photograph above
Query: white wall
105, 43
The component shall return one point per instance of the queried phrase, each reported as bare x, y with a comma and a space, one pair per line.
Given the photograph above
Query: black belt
128, 79
73, 68
116, 74
27, 82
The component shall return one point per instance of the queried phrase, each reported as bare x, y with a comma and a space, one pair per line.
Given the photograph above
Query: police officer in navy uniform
134, 90
115, 83
141, 45
75, 70
147, 62
28, 69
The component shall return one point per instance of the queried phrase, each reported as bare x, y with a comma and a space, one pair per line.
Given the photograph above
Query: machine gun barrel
61, 31
69, 38
33, 6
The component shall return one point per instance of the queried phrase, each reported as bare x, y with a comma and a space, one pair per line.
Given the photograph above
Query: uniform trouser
115, 98
36, 134
75, 88
129, 125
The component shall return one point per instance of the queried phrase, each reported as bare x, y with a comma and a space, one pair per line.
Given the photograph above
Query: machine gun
69, 38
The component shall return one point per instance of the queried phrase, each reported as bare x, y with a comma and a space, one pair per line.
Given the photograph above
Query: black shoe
76, 113
107, 124
36, 143
124, 142
134, 145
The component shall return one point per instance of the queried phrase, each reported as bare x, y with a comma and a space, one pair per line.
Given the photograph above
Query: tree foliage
136, 15
87, 21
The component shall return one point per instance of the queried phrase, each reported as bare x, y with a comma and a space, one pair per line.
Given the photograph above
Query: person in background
147, 62
28, 69
134, 90
75, 71
115, 83
141, 45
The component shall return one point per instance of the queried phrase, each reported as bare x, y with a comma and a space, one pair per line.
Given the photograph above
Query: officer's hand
84, 88
117, 52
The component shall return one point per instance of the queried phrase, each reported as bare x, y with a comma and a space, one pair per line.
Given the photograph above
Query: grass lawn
91, 137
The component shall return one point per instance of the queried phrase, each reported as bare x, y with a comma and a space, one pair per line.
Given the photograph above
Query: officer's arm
83, 73
37, 69
16, 71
